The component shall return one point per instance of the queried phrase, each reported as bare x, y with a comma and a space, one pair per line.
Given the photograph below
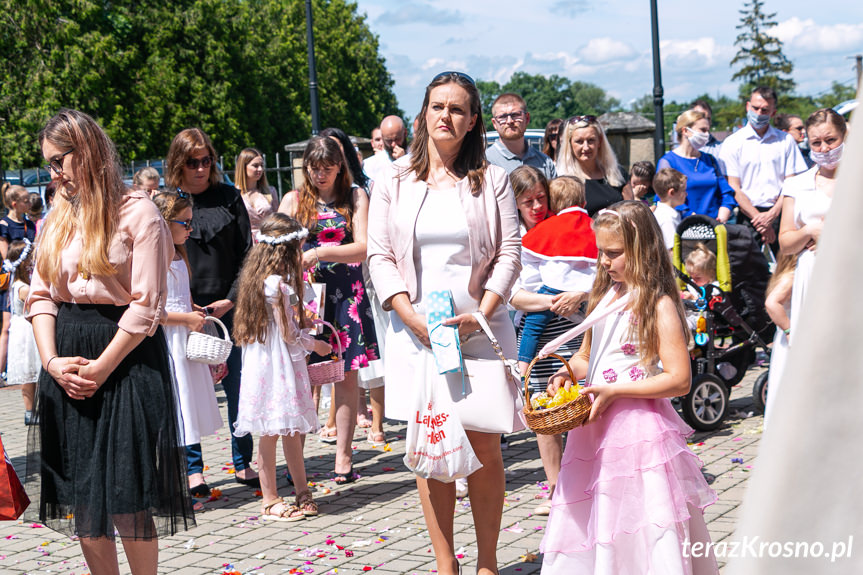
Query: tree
549, 97
760, 54
147, 69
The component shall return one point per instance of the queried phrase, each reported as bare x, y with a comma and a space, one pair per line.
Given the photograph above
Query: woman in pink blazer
443, 219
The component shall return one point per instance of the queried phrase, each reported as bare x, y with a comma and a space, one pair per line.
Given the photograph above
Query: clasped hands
79, 377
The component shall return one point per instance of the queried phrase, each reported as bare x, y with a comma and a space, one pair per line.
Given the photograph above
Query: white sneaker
461, 488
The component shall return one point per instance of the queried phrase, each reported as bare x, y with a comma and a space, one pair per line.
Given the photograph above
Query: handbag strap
483, 323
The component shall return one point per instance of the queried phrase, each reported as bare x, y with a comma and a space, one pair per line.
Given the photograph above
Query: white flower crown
10, 267
300, 234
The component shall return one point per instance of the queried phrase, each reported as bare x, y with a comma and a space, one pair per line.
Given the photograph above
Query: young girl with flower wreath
275, 393
630, 495
23, 364
336, 214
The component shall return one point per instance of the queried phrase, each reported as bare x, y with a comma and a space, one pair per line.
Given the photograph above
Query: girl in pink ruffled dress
630, 496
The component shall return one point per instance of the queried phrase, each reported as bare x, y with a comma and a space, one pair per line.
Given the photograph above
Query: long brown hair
322, 152
785, 264
648, 272
186, 144
170, 204
24, 269
243, 160
93, 209
252, 318
470, 161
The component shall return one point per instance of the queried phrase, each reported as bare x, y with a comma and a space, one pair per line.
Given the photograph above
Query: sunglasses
195, 163
56, 164
586, 119
187, 224
461, 75
181, 194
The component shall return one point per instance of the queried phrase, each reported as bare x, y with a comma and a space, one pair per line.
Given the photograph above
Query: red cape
568, 235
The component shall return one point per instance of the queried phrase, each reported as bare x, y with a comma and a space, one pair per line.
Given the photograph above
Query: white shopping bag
437, 446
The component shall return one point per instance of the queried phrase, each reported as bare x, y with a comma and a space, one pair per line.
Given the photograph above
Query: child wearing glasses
195, 392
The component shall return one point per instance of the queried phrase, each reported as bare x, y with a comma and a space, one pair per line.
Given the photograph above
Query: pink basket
331, 371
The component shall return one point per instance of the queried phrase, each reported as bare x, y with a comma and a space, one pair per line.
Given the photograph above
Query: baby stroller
732, 323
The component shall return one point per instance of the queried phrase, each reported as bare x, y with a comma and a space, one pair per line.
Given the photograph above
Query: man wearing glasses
393, 135
510, 118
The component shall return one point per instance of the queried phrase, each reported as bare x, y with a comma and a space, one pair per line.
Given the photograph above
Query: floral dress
347, 306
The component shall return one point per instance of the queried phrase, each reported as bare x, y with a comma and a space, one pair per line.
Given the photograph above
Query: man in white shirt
510, 118
757, 159
393, 134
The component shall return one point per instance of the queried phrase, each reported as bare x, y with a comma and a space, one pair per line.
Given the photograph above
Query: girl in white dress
23, 363
195, 393
275, 393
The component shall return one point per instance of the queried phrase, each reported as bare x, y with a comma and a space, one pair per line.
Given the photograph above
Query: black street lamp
313, 76
659, 136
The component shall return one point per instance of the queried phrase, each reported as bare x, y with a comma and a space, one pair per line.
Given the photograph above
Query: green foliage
549, 97
760, 54
147, 69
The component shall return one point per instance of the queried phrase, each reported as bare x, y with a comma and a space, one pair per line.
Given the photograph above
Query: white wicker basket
205, 348
332, 370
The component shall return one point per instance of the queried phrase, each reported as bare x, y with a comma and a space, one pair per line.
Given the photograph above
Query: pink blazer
492, 219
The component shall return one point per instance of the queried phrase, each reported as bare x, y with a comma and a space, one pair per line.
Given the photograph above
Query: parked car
534, 138
845, 108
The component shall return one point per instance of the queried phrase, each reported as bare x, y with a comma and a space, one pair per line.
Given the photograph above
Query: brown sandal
306, 504
289, 512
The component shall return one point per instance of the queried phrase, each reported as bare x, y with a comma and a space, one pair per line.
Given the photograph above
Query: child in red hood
559, 254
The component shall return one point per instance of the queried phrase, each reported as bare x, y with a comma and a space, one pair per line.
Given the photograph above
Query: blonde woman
584, 152
108, 450
259, 196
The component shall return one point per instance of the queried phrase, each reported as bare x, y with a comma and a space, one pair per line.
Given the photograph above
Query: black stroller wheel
759, 391
706, 404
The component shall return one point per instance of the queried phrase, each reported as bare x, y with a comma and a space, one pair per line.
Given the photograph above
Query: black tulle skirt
112, 463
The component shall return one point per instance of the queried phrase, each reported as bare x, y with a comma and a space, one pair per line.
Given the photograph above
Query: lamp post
659, 136
313, 76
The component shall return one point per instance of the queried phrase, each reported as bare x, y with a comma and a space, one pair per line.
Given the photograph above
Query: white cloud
604, 50
698, 53
805, 35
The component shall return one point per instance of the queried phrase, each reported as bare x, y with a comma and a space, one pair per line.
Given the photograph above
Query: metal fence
278, 175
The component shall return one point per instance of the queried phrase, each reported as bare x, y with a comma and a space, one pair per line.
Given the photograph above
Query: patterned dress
347, 306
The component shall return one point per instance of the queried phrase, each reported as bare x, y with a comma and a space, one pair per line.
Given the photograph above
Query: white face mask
697, 139
829, 159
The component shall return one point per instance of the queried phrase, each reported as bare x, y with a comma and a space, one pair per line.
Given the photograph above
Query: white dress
22, 365
198, 405
442, 258
275, 393
810, 205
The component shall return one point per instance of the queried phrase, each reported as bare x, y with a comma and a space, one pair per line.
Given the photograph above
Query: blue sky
606, 43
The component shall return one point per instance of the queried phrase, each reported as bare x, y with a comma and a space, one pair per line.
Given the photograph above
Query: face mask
829, 159
697, 139
756, 120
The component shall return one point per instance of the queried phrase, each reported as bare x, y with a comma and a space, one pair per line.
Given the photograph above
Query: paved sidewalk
374, 524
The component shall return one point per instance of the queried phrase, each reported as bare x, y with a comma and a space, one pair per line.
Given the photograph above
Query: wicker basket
205, 348
331, 371
557, 419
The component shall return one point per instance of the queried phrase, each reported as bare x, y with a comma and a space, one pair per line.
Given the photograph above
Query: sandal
376, 439
289, 512
363, 421
327, 434
306, 504
200, 490
345, 478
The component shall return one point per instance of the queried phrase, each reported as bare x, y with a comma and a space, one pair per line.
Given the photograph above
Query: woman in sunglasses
107, 449
216, 248
444, 219
584, 152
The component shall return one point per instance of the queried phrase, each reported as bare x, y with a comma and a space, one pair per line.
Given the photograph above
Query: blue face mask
756, 120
